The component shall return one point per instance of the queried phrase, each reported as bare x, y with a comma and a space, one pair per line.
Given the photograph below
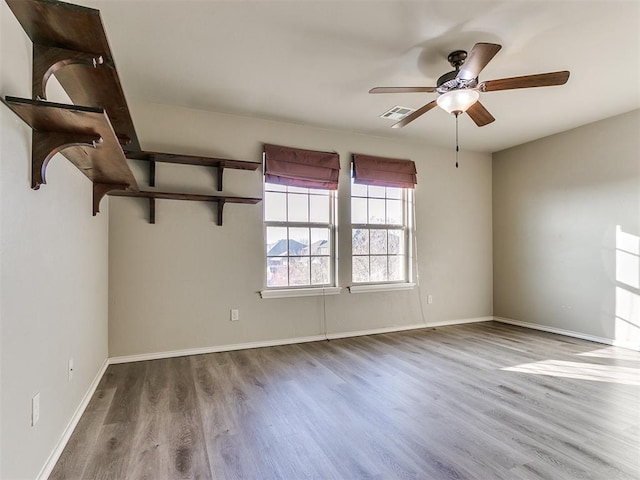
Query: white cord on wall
324, 313
417, 262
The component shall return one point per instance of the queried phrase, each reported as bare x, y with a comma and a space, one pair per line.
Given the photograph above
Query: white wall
53, 273
566, 213
171, 285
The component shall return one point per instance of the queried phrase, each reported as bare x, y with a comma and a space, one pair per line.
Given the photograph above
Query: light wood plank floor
480, 401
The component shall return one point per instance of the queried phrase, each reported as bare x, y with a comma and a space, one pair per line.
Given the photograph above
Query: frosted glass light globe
457, 101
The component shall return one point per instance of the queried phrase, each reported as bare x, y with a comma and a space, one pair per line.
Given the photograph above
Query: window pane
298, 207
275, 206
376, 211
359, 210
319, 208
378, 255
360, 241
396, 242
378, 269
275, 187
320, 241
378, 242
276, 241
376, 192
297, 253
396, 268
277, 272
358, 190
394, 192
360, 269
298, 241
299, 271
319, 270
394, 212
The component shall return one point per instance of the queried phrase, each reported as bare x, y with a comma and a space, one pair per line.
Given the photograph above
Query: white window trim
380, 287
291, 290
300, 292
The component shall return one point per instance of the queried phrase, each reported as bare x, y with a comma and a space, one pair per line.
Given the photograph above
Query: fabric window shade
384, 172
296, 167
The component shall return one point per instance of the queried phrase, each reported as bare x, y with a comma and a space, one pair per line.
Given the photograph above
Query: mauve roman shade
384, 172
296, 167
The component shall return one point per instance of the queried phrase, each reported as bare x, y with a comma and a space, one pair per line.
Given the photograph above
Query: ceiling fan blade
402, 89
481, 54
410, 118
526, 81
480, 115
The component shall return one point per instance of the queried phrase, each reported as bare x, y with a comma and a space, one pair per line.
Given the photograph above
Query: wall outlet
70, 369
235, 315
35, 409
429, 299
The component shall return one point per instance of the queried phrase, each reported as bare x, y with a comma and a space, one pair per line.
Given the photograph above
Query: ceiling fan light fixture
457, 101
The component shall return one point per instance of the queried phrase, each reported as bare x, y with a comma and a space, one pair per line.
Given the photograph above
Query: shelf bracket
45, 145
101, 189
220, 209
220, 173
152, 210
152, 173
152, 183
47, 60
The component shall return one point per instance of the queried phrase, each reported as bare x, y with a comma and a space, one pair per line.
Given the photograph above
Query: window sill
300, 292
381, 287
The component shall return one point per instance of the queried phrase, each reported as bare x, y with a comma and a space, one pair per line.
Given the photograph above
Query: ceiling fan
459, 90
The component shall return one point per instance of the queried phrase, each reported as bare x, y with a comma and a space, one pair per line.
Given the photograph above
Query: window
300, 230
381, 219
299, 215
380, 227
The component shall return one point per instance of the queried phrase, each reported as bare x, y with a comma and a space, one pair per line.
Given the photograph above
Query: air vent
397, 113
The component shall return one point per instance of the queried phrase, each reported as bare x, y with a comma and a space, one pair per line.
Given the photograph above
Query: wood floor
480, 401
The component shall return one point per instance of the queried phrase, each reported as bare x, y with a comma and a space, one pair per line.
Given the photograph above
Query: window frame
275, 291
407, 228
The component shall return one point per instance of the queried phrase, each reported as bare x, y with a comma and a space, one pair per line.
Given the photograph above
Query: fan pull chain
457, 145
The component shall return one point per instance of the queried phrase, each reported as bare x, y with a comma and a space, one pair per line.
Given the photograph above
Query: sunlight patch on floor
581, 371
615, 353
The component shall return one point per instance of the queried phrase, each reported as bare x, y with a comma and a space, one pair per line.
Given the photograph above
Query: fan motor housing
448, 82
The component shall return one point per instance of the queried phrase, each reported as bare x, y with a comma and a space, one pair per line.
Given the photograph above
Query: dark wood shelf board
82, 134
196, 197
191, 160
221, 200
57, 26
60, 24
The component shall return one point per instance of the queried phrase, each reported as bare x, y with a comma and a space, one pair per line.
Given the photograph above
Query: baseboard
459, 321
57, 451
213, 349
570, 333
287, 341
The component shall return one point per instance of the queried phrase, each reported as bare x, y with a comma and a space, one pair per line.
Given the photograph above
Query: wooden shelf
70, 42
153, 195
83, 135
219, 163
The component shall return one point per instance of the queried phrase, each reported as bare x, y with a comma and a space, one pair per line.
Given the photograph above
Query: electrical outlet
429, 299
35, 409
70, 369
235, 315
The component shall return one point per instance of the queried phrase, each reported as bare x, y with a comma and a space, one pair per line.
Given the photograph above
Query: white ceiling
313, 62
